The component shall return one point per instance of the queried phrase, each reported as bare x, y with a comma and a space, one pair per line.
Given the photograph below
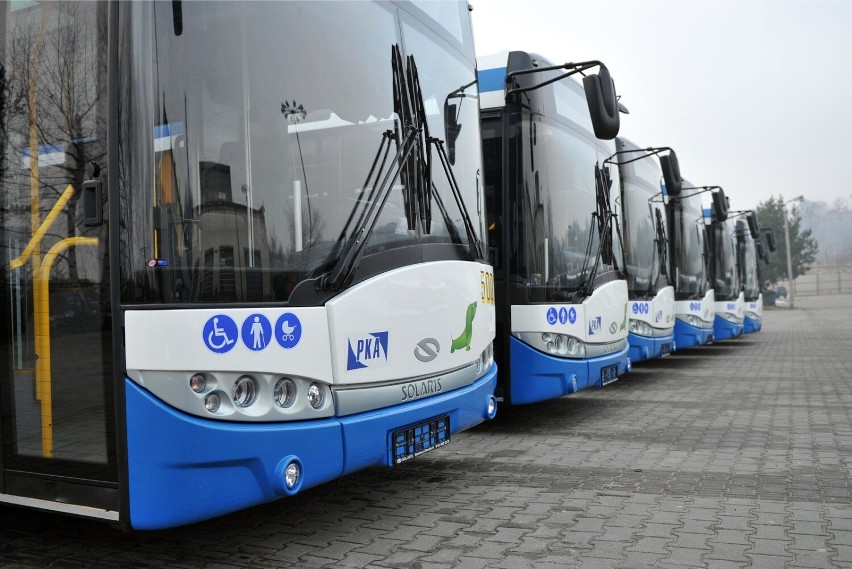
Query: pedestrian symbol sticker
256, 332
552, 317
220, 334
563, 315
288, 330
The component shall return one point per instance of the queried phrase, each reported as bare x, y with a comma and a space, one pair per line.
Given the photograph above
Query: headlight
245, 391
284, 392
198, 382
486, 359
640, 327
212, 402
560, 345
732, 318
753, 315
692, 320
315, 396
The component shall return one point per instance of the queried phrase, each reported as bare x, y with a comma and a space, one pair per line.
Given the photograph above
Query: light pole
790, 280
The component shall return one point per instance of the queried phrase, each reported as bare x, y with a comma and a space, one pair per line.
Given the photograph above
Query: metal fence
819, 282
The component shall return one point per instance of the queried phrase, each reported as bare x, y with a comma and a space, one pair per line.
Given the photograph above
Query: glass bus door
56, 401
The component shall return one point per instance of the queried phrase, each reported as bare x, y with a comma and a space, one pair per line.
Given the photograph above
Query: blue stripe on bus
492, 79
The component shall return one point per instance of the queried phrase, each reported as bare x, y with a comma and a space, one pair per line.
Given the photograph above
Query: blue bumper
645, 348
183, 469
687, 335
751, 325
724, 330
536, 376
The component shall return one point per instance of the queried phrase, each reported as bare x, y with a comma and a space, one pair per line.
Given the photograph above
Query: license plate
609, 374
665, 349
415, 440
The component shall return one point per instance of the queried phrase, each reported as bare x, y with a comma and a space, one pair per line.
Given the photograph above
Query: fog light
284, 392
291, 475
245, 391
491, 409
315, 396
211, 402
198, 382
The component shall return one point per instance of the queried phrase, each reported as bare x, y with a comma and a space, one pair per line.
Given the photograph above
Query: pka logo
370, 350
463, 341
595, 326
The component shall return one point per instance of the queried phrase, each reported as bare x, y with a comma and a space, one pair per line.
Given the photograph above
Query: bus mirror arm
601, 96
668, 164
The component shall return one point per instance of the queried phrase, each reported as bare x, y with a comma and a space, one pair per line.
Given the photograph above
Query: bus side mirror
671, 174
452, 128
603, 104
720, 205
770, 240
753, 226
761, 251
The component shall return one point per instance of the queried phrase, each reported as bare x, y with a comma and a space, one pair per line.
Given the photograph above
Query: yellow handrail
43, 228
42, 337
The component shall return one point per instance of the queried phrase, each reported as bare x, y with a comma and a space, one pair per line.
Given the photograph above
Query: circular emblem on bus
220, 334
613, 328
257, 332
288, 330
427, 349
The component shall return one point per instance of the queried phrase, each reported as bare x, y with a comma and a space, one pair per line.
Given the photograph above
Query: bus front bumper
183, 469
536, 376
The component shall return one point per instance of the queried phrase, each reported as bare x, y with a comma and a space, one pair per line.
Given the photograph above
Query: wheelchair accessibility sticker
220, 334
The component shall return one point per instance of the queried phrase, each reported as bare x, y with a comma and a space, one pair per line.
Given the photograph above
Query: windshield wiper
352, 248
428, 194
602, 218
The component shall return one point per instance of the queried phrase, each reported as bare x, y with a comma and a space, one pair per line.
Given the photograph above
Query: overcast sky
755, 96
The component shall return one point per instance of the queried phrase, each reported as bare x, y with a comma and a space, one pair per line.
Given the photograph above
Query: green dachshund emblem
463, 341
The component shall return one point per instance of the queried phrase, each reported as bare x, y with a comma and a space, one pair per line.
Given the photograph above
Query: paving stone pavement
731, 455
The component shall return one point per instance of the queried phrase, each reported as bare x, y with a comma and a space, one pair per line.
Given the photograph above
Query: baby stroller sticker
288, 330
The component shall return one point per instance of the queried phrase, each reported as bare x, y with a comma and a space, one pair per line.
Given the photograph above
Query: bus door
56, 396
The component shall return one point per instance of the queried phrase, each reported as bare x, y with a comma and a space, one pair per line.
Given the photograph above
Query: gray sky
754, 96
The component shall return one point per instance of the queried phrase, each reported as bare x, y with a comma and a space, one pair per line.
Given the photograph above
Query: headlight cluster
694, 320
563, 345
640, 327
753, 315
255, 395
732, 318
485, 360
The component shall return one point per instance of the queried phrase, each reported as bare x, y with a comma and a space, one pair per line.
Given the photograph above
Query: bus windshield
751, 280
726, 279
556, 239
253, 143
689, 235
642, 200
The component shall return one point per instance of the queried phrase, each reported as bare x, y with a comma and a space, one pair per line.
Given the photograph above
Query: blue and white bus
245, 255
644, 188
725, 274
559, 274
749, 253
690, 267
